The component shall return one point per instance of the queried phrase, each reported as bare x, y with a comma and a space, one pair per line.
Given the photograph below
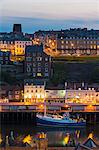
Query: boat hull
50, 123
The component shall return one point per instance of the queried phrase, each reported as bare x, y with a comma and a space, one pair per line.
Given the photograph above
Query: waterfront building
37, 62
55, 96
81, 93
15, 94
34, 91
68, 95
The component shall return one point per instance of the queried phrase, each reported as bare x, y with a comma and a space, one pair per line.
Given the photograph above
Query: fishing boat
59, 121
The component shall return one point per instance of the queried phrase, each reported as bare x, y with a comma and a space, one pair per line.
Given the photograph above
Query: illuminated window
62, 42
39, 74
66, 47
66, 42
91, 46
62, 47
94, 46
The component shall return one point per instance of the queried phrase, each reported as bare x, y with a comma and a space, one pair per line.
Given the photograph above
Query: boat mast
44, 100
44, 108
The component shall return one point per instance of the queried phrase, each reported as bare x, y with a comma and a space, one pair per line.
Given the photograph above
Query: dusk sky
48, 14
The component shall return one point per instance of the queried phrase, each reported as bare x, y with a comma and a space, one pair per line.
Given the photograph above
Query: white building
34, 92
84, 96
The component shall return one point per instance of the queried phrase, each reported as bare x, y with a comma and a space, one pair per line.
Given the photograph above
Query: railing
38, 107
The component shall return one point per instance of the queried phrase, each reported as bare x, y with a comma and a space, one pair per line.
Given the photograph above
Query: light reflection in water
56, 136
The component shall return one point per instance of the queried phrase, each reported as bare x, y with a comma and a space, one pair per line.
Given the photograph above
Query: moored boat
57, 121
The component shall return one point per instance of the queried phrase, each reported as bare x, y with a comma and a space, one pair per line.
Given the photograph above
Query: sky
48, 14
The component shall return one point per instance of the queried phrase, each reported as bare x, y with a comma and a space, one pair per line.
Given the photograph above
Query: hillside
75, 71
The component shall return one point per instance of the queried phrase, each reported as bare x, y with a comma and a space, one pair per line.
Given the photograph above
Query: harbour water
55, 136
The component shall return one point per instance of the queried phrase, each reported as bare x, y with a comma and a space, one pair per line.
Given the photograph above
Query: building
81, 93
17, 28
20, 45
37, 62
77, 42
55, 96
15, 44
15, 94
5, 58
34, 91
76, 94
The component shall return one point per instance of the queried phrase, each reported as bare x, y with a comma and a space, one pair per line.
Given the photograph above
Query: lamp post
65, 92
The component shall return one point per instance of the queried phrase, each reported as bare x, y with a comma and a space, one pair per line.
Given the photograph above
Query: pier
26, 113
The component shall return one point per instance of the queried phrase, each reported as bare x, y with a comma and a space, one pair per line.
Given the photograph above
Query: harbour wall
30, 117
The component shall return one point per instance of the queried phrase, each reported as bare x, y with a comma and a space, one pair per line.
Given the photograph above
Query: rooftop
34, 48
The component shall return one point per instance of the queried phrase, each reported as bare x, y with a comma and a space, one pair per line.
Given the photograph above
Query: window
62, 47
6, 58
34, 74
39, 58
91, 46
46, 69
34, 69
28, 58
66, 47
66, 42
39, 64
87, 42
46, 64
1, 53
39, 74
39, 69
46, 59
46, 74
62, 42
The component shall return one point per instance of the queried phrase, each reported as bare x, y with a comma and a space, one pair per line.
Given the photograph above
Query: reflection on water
55, 136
